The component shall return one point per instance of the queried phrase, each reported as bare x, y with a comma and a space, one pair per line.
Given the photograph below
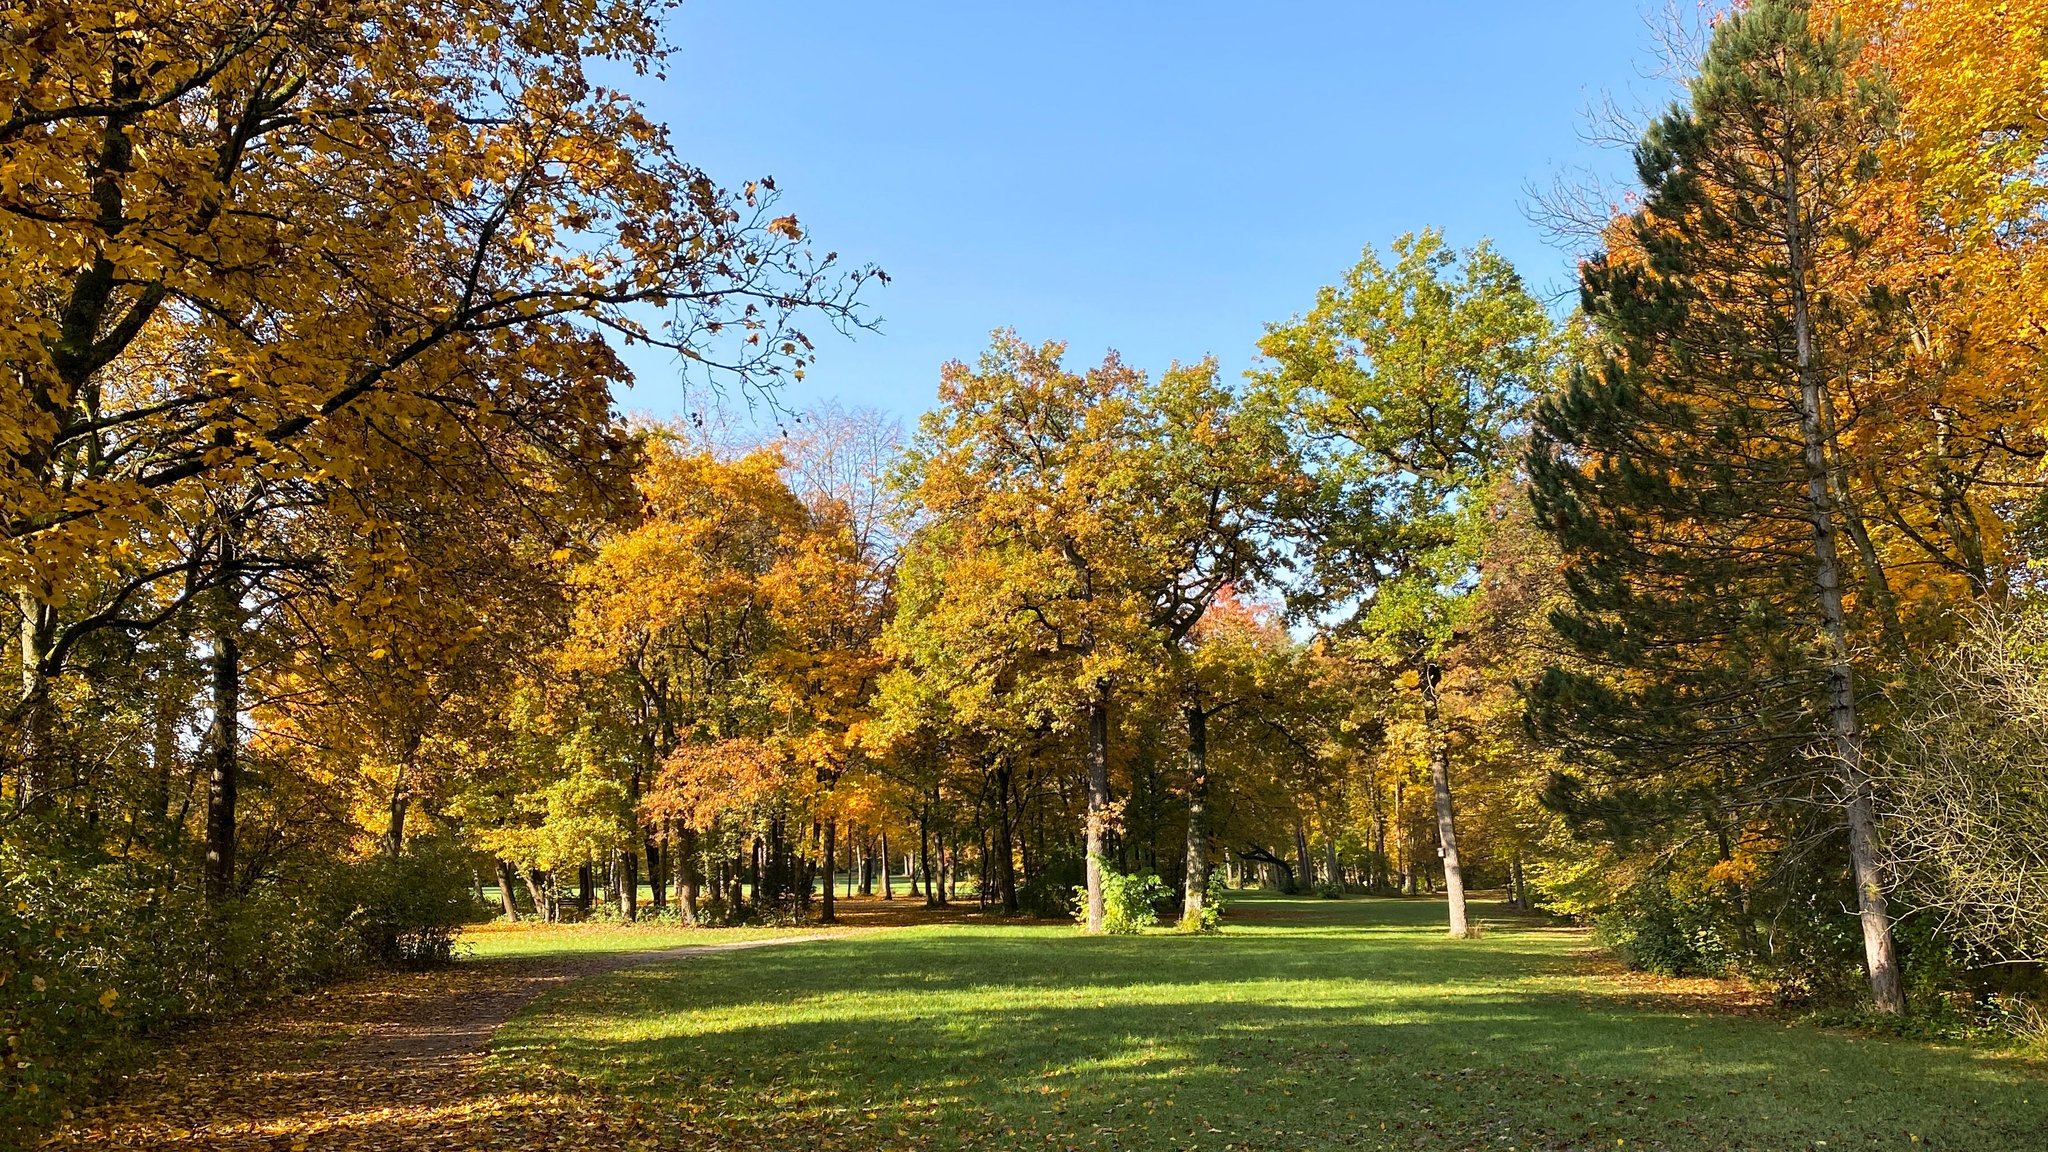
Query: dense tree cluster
341, 590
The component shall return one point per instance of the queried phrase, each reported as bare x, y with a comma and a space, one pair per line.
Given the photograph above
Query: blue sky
1163, 179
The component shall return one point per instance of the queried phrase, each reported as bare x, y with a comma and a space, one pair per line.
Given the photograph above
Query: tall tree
1407, 384
234, 232
1691, 472
1023, 472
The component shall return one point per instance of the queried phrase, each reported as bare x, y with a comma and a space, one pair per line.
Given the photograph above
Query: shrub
1328, 891
1130, 903
1045, 892
1212, 906
406, 910
98, 954
1658, 927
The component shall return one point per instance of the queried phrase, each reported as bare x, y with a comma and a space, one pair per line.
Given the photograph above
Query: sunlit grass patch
1313, 1024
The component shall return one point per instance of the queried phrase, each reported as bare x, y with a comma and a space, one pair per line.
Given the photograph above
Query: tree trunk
36, 752
830, 854
224, 740
924, 858
1005, 864
754, 871
888, 877
686, 873
1195, 894
1304, 867
540, 891
657, 876
1330, 862
1440, 785
629, 884
505, 897
401, 799
1879, 950
1098, 798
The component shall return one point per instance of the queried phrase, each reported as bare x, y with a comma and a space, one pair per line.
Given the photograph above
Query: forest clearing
1308, 1024
1250, 634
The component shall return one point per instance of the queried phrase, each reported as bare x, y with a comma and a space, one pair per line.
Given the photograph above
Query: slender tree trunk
537, 890
629, 883
1305, 868
1330, 862
1195, 893
657, 876
888, 877
1098, 798
224, 740
401, 800
36, 751
924, 857
1005, 877
830, 852
505, 897
686, 872
754, 867
1440, 786
1879, 949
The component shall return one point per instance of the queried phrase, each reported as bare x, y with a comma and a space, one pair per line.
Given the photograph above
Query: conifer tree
1689, 471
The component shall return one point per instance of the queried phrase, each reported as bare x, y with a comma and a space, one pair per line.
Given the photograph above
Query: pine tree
1690, 471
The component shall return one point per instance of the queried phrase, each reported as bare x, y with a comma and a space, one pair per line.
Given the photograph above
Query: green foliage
1409, 381
1328, 891
1669, 928
406, 910
1130, 902
96, 955
1044, 892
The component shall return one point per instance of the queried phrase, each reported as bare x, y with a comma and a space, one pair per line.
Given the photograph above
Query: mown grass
527, 940
1304, 1025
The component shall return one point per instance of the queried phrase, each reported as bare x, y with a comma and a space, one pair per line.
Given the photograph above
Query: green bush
1045, 891
96, 955
406, 910
1328, 891
1658, 926
1130, 903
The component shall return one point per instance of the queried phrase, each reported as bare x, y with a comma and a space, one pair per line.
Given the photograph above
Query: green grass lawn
530, 940
1305, 1024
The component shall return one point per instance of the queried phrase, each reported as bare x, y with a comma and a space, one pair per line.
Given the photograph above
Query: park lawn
1305, 1024
529, 940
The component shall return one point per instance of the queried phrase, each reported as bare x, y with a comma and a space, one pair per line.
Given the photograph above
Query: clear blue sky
1160, 178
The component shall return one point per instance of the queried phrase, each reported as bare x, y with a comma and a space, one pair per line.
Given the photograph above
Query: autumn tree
1022, 476
1692, 472
234, 236
1407, 384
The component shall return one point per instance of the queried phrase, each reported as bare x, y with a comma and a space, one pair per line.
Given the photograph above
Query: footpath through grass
1305, 1024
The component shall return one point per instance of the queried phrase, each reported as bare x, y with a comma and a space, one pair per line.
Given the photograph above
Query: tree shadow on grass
1293, 1035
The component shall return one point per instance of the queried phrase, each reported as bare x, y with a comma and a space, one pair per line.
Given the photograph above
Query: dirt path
382, 1064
